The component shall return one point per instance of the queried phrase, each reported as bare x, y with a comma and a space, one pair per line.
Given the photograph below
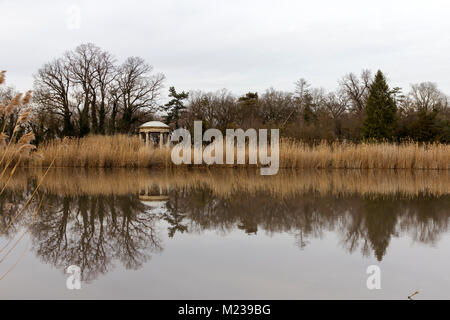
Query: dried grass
122, 151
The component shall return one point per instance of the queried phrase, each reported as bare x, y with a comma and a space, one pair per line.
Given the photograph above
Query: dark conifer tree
380, 121
175, 106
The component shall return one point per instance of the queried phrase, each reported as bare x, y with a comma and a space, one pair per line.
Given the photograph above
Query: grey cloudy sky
239, 45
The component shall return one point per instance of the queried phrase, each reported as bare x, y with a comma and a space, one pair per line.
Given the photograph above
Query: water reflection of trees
365, 223
94, 231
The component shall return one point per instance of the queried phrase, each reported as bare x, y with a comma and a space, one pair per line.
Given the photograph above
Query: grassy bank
123, 151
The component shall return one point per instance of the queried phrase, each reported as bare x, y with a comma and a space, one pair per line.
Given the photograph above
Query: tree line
85, 91
361, 108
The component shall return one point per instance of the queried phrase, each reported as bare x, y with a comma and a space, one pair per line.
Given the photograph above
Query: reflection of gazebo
155, 132
154, 196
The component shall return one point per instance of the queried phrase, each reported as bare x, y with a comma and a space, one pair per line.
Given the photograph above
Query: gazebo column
148, 139
167, 139
161, 136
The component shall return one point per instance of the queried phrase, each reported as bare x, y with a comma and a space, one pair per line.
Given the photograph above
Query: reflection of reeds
228, 182
125, 151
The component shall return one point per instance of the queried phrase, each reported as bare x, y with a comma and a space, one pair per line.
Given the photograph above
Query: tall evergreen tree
175, 106
380, 121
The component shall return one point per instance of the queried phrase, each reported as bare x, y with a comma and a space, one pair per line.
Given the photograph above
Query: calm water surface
226, 234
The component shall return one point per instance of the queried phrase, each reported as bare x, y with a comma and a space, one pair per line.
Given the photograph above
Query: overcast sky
239, 45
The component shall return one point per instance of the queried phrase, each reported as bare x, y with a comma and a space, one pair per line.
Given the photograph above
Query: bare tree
52, 92
300, 95
357, 89
336, 103
225, 109
139, 89
275, 106
82, 72
426, 96
301, 91
104, 76
216, 109
114, 100
317, 99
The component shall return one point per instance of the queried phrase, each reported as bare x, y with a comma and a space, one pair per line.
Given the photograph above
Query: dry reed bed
365, 156
101, 152
228, 182
128, 152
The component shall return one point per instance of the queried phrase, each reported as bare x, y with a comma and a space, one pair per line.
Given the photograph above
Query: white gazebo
155, 132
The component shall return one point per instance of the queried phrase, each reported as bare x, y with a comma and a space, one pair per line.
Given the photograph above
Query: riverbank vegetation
87, 91
129, 152
86, 109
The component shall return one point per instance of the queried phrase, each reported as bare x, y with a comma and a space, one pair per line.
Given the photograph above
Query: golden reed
122, 151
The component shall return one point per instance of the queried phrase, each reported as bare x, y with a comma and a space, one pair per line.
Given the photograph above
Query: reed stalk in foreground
122, 151
14, 151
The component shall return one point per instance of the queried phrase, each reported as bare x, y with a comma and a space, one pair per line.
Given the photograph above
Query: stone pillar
160, 139
143, 136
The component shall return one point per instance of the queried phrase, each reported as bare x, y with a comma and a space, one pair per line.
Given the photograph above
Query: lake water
225, 234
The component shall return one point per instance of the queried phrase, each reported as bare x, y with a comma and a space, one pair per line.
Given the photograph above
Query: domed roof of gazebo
154, 124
